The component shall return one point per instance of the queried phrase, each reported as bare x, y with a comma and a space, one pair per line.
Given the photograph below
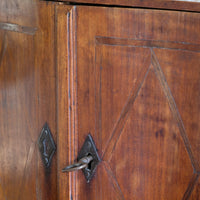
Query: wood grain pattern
17, 28
66, 98
154, 149
14, 119
24, 13
27, 99
3, 45
189, 5
183, 77
130, 77
190, 188
102, 174
114, 183
119, 102
124, 95
2, 195
196, 193
45, 69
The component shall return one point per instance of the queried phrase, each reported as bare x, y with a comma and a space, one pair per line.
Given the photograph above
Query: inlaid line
124, 114
148, 43
173, 107
18, 28
190, 188
114, 181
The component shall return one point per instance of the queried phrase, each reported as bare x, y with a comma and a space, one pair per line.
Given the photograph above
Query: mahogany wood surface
27, 98
65, 117
132, 81
19, 12
189, 5
129, 77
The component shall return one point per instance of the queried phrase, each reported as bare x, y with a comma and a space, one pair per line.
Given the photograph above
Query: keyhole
89, 167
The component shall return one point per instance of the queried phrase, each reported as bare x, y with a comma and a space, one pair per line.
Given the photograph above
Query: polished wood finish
131, 80
188, 5
129, 77
24, 13
27, 98
65, 117
196, 193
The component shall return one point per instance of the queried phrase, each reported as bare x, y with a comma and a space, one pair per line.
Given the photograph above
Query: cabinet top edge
182, 5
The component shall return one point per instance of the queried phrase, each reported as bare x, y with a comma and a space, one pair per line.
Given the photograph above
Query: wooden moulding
186, 5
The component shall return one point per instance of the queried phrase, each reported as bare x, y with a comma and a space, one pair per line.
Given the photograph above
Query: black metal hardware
88, 159
46, 145
81, 164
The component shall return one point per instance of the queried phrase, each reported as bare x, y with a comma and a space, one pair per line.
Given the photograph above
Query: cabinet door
27, 99
130, 78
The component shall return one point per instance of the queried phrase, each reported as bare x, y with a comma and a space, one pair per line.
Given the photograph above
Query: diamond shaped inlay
150, 143
183, 78
46, 145
146, 151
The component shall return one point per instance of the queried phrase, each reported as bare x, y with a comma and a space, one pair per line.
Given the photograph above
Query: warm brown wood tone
24, 13
189, 5
65, 117
196, 192
27, 98
131, 78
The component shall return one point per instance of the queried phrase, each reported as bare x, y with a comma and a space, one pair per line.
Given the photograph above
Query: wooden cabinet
128, 76
132, 80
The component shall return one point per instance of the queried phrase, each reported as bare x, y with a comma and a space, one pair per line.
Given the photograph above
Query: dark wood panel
182, 72
18, 156
113, 102
162, 4
152, 148
121, 96
27, 99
